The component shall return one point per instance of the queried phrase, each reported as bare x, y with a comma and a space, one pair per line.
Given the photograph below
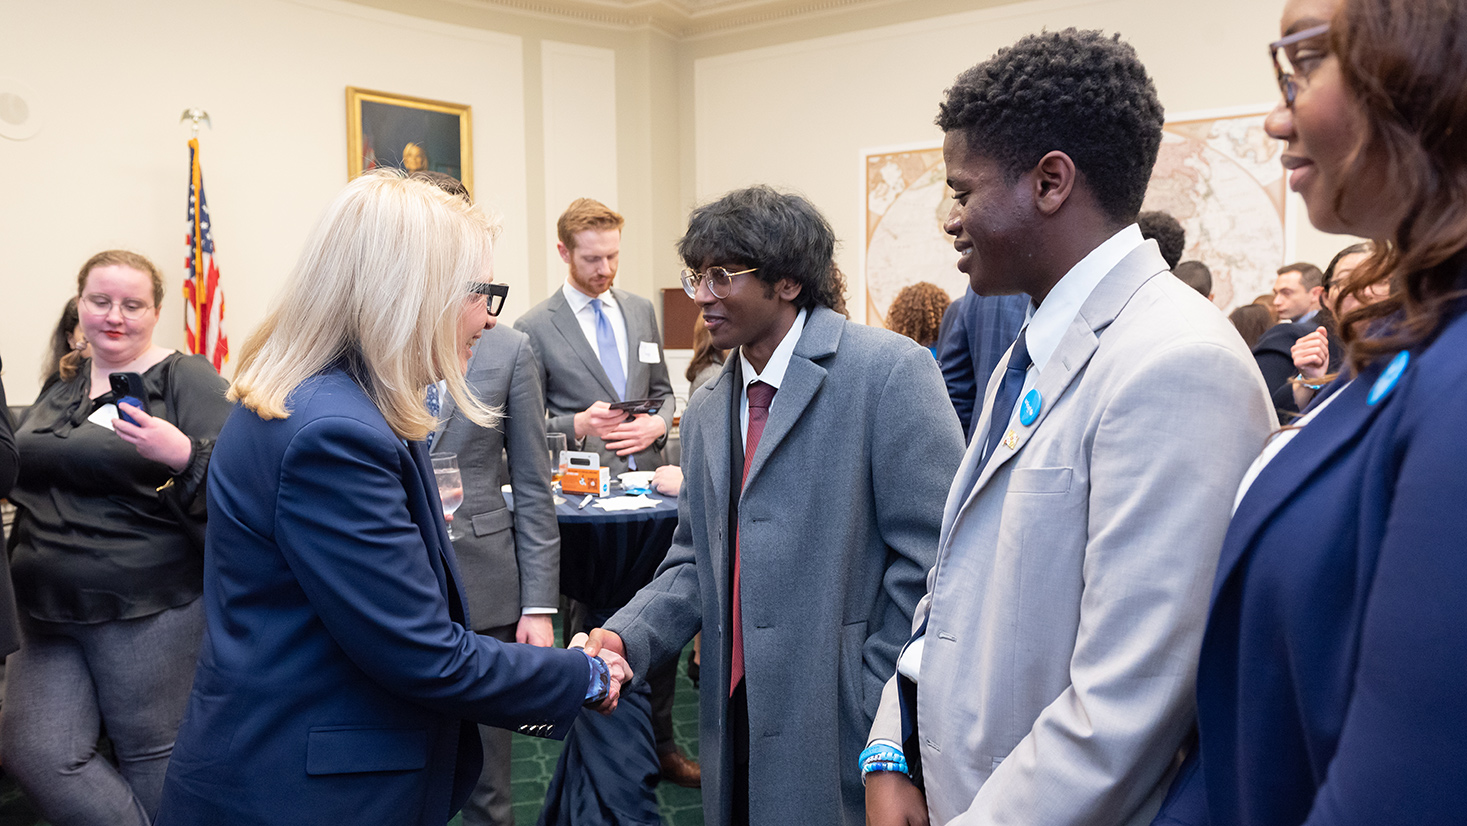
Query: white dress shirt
773, 374
586, 317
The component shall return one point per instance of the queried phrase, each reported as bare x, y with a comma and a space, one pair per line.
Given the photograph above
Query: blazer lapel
435, 535
446, 408
635, 370
1335, 429
802, 380
570, 329
1074, 351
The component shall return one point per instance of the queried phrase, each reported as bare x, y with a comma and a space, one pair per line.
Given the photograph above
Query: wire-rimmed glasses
1289, 78
720, 280
101, 305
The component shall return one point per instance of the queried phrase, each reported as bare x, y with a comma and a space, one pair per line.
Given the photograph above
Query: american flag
203, 319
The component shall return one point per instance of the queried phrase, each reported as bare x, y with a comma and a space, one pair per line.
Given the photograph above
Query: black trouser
738, 728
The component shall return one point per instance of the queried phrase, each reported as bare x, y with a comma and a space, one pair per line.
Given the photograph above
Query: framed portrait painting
409, 133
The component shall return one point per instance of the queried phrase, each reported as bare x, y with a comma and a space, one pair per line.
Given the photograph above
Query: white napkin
625, 503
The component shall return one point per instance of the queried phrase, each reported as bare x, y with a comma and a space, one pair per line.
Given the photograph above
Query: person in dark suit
9, 470
1331, 682
339, 680
598, 344
976, 331
815, 469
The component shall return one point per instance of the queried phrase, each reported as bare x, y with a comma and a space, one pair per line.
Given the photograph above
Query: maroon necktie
760, 396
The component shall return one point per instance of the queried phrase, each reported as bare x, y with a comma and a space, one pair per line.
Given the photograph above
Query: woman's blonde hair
380, 283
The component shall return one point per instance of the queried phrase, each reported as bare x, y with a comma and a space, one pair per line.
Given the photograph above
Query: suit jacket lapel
802, 380
435, 535
1074, 351
570, 329
635, 370
446, 408
1334, 429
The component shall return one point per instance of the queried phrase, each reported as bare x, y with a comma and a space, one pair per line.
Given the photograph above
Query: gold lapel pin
1011, 441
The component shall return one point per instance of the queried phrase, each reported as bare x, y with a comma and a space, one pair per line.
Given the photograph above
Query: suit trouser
491, 803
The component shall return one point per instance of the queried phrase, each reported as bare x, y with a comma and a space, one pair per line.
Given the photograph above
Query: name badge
647, 353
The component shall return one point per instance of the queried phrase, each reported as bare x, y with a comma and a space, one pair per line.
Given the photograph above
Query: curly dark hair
781, 234
1167, 232
916, 312
1078, 92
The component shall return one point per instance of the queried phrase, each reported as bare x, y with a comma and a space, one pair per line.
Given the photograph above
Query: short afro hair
1167, 232
1078, 92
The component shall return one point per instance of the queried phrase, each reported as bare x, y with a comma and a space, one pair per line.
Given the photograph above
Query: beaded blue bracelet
881, 757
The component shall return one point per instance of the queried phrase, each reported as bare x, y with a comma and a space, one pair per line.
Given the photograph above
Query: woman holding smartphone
1331, 681
107, 560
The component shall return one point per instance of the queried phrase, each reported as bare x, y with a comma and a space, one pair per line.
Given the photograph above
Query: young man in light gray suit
597, 344
1050, 677
815, 466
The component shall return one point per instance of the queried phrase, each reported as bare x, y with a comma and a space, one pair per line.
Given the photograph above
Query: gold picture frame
381, 127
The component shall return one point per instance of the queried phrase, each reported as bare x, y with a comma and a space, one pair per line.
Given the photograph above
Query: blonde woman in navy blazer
1332, 687
339, 681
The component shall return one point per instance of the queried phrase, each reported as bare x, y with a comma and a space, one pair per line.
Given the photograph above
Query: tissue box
595, 480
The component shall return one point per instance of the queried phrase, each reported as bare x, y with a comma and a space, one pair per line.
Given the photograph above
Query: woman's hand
1311, 353
156, 439
668, 480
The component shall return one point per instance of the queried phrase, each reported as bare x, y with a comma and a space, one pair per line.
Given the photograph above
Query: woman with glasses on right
1332, 685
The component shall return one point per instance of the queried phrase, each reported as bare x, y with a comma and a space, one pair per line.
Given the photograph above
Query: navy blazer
1332, 686
976, 331
337, 669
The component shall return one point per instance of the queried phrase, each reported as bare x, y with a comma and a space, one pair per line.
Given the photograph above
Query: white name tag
647, 353
104, 415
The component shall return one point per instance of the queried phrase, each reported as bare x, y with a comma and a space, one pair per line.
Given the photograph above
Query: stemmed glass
450, 487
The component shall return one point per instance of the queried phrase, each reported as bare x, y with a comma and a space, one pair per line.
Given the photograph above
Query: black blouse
95, 539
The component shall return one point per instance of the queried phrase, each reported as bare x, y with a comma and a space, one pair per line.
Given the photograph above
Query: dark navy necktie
1008, 392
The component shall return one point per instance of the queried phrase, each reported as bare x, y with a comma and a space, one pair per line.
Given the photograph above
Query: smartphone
127, 388
648, 406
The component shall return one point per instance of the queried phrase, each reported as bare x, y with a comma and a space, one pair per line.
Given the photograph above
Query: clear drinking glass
450, 486
556, 444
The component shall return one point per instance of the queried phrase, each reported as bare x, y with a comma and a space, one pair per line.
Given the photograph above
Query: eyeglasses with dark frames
1289, 79
496, 294
720, 280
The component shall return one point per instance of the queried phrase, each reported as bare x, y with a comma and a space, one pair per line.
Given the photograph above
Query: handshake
606, 645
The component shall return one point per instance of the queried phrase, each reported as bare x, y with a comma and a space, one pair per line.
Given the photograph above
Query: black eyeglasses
720, 280
1289, 79
496, 294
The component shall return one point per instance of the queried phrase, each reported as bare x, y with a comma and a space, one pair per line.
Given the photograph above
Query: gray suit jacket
508, 561
838, 520
1067, 605
574, 379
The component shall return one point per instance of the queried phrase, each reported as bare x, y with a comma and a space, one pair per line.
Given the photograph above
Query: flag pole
195, 116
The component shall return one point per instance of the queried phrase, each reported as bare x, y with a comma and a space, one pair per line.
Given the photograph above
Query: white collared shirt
580, 303
774, 370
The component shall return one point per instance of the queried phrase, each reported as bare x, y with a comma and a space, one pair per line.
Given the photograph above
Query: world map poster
1219, 176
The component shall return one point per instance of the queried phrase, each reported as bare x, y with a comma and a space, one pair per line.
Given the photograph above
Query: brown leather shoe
680, 769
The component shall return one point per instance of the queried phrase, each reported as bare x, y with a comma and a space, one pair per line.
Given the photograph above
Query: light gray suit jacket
508, 561
1067, 605
838, 520
574, 378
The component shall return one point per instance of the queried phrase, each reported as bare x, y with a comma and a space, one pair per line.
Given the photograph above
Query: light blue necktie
610, 356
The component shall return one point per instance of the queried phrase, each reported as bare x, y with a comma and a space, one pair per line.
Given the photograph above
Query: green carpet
534, 763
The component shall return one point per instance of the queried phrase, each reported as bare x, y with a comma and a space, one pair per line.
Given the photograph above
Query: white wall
799, 115
110, 166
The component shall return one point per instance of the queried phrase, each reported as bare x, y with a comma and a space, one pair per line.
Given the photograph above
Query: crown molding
677, 18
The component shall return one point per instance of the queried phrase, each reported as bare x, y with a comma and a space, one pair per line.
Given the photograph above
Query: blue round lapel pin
1388, 377
1029, 408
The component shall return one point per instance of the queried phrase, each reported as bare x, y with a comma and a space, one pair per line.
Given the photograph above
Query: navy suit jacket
1332, 680
337, 669
976, 331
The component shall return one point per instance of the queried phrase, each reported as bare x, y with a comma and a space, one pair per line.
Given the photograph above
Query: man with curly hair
806, 521
1050, 674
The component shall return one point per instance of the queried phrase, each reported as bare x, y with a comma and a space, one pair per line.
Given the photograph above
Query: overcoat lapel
565, 322
1335, 429
714, 437
1074, 351
802, 380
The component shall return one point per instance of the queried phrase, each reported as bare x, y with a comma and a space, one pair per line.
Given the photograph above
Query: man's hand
598, 420
668, 480
636, 435
1311, 353
536, 630
892, 799
156, 439
602, 640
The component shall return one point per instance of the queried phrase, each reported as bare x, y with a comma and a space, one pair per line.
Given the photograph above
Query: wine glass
556, 443
450, 486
